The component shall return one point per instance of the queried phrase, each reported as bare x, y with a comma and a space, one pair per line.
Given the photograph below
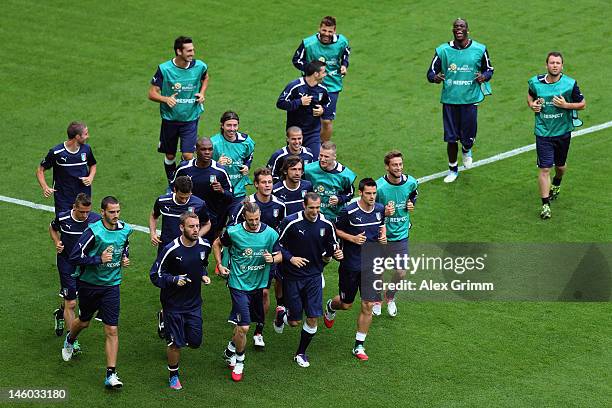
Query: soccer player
398, 193
359, 222
179, 86
211, 183
331, 180
234, 151
65, 231
305, 100
554, 98
180, 270
332, 49
272, 213
308, 241
172, 206
294, 147
253, 247
101, 252
464, 69
293, 188
74, 168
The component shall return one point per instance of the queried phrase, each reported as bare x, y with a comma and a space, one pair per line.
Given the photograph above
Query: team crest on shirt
212, 178
202, 255
320, 189
275, 212
452, 67
247, 252
378, 216
322, 232
191, 209
303, 193
83, 156
177, 86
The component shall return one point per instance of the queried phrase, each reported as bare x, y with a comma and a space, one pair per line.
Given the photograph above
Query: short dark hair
462, 19
329, 21
262, 171
108, 200
75, 129
366, 182
180, 41
291, 161
313, 66
250, 207
328, 145
183, 184
392, 155
554, 54
310, 196
186, 215
82, 199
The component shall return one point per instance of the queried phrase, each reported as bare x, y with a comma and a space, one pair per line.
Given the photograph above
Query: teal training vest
553, 121
185, 82
331, 54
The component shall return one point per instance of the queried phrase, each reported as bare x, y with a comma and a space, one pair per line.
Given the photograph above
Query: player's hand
155, 240
87, 180
59, 247
536, 105
216, 186
439, 77
317, 111
480, 78
200, 97
125, 262
223, 271
382, 239
559, 102
306, 99
389, 209
206, 279
343, 70
48, 191
171, 100
268, 257
107, 255
338, 254
224, 160
333, 200
359, 239
298, 261
182, 280
244, 170
409, 205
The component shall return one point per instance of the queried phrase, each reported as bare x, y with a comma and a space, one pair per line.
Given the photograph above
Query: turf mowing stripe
512, 152
421, 180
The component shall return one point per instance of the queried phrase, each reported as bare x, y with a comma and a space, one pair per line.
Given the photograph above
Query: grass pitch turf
94, 61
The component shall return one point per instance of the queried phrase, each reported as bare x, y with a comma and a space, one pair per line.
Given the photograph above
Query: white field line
421, 180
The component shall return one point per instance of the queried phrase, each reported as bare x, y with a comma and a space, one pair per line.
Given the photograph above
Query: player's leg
168, 142
546, 154
328, 117
188, 134
398, 248
562, 146
109, 313
312, 295
291, 313
364, 320
258, 312
348, 283
69, 290
450, 118
89, 302
175, 334
469, 126
313, 142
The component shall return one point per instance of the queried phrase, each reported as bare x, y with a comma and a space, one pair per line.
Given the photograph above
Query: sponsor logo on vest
177, 86
552, 115
247, 252
185, 100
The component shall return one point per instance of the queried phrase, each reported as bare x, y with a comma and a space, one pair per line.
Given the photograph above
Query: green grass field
94, 63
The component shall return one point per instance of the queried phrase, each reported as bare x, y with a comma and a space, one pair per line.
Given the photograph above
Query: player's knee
545, 170
293, 323
312, 322
366, 307
111, 331
242, 330
194, 343
345, 306
170, 156
327, 123
401, 274
187, 156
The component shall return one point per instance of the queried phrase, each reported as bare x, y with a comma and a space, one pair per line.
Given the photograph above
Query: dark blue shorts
460, 123
304, 295
350, 281
68, 283
183, 328
330, 111
552, 150
394, 248
274, 274
247, 307
64, 201
102, 299
313, 142
172, 131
